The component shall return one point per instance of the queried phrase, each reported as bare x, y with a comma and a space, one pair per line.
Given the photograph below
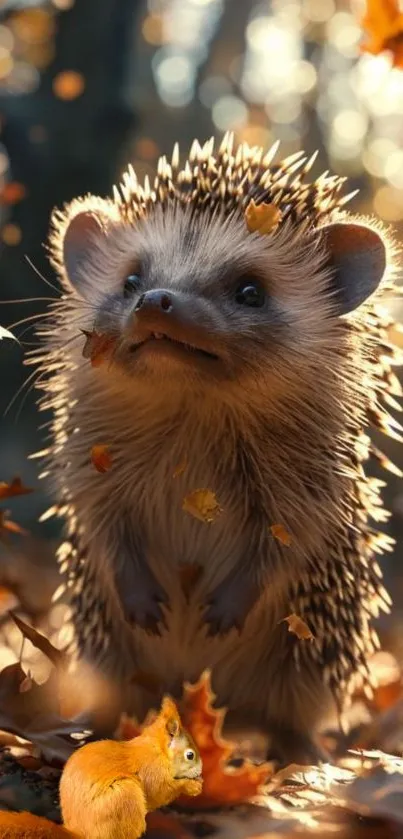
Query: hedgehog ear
78, 240
357, 256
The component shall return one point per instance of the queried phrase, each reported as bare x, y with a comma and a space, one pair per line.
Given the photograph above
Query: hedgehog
246, 355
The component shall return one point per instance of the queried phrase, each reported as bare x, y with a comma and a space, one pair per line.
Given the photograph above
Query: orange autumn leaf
8, 600
383, 24
16, 487
202, 504
298, 627
101, 458
8, 526
279, 532
97, 347
222, 785
262, 218
180, 470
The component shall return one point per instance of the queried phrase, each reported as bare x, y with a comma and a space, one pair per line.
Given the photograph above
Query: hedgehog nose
155, 300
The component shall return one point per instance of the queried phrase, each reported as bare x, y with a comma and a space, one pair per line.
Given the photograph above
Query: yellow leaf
262, 218
202, 504
298, 627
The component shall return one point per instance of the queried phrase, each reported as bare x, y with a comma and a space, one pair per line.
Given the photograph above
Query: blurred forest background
87, 85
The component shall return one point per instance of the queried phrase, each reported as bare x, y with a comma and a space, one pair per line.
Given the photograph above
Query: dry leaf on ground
98, 348
222, 784
298, 627
262, 218
101, 458
202, 504
14, 488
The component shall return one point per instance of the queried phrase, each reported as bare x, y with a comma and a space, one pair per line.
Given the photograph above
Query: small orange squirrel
108, 787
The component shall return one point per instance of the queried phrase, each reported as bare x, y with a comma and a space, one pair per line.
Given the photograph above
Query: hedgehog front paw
142, 603
229, 604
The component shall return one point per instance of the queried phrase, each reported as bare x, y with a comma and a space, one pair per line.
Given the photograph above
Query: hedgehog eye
189, 754
250, 293
131, 285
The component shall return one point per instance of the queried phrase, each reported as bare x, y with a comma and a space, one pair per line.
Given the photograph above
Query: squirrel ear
79, 237
357, 255
170, 715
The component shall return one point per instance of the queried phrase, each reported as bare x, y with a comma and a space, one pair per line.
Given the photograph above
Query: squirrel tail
27, 826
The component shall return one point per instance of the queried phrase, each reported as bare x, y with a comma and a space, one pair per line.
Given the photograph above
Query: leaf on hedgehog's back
279, 532
101, 458
221, 784
262, 218
202, 504
383, 23
16, 487
98, 348
298, 627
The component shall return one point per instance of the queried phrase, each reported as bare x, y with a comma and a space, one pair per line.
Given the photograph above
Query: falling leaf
383, 23
202, 504
68, 85
16, 487
57, 657
179, 470
298, 627
221, 784
97, 347
8, 600
262, 218
12, 193
279, 532
189, 575
5, 333
101, 458
8, 526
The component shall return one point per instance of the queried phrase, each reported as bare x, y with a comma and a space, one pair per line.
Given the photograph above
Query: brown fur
279, 439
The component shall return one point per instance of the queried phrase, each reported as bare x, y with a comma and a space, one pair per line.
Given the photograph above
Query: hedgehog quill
252, 346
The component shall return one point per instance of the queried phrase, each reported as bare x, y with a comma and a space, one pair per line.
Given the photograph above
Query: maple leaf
262, 218
221, 785
101, 458
383, 23
97, 347
298, 627
202, 504
16, 487
279, 532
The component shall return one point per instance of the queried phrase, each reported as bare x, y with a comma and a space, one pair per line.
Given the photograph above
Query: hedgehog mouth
162, 338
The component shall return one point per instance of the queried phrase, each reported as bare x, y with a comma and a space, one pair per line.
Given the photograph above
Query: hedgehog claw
229, 605
141, 602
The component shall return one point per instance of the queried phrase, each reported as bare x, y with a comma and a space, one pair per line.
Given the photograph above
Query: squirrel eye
189, 754
250, 293
131, 285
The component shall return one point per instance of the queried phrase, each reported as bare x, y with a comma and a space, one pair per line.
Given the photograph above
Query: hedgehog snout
156, 300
